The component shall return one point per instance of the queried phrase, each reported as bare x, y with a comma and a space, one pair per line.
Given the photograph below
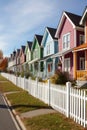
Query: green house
27, 66
36, 55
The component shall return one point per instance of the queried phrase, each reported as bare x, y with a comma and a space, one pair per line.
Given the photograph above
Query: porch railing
82, 74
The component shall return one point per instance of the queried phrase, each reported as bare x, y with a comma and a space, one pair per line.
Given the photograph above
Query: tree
3, 64
1, 54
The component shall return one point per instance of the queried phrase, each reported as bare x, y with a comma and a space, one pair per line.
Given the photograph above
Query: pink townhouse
70, 34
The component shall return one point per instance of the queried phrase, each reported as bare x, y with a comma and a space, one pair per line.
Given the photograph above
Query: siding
48, 41
67, 28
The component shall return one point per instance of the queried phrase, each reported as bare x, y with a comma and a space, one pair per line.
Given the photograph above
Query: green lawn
55, 121
7, 86
2, 78
22, 102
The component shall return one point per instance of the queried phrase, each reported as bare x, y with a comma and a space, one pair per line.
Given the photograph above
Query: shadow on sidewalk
30, 106
4, 106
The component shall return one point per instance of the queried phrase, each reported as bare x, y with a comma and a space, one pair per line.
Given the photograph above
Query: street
7, 121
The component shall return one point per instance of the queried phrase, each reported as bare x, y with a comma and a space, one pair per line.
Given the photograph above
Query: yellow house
80, 53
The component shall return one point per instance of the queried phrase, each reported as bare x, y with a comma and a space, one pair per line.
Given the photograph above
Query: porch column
39, 69
45, 70
62, 63
53, 71
33, 68
74, 64
86, 60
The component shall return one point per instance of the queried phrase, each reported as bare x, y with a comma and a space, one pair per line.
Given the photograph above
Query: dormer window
81, 39
66, 41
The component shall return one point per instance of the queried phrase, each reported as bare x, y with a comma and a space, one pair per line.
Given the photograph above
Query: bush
33, 77
22, 74
60, 78
27, 75
17, 74
40, 79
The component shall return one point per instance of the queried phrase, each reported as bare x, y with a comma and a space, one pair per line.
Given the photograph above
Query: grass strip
7, 86
55, 121
23, 102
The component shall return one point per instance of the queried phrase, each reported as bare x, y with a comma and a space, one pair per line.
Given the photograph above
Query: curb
15, 115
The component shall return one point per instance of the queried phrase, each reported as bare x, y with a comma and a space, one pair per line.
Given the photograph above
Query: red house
70, 35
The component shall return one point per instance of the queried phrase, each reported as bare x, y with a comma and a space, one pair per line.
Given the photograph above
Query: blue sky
20, 20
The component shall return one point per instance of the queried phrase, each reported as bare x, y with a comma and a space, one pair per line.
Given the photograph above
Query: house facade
27, 66
70, 34
12, 62
18, 60
22, 58
36, 55
80, 53
50, 45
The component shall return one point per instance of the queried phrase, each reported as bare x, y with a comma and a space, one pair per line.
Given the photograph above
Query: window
82, 63
66, 41
67, 65
48, 49
81, 39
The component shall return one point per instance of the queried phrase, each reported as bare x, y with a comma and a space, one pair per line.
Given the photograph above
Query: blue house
50, 45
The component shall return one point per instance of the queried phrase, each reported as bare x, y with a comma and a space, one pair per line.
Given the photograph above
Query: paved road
7, 121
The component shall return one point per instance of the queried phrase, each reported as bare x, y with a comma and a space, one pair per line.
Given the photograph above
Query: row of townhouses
64, 48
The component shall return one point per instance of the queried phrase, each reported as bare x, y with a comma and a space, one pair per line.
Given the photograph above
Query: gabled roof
29, 44
17, 52
73, 18
39, 38
23, 48
52, 32
84, 16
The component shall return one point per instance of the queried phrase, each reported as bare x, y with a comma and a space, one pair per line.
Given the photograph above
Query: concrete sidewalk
38, 112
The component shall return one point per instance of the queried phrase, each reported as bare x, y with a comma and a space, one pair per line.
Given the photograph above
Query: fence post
68, 85
37, 87
24, 84
48, 92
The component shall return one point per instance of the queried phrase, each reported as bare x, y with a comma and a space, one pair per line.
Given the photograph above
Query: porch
81, 74
80, 62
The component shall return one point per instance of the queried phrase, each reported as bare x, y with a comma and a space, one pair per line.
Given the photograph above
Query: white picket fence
65, 99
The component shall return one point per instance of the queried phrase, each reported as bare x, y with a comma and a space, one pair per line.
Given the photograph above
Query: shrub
17, 74
40, 79
33, 77
22, 74
60, 78
27, 75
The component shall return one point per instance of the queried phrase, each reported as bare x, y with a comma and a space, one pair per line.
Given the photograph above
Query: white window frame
81, 39
48, 49
82, 59
66, 44
66, 61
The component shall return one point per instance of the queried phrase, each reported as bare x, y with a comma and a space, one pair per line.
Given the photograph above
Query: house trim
61, 22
